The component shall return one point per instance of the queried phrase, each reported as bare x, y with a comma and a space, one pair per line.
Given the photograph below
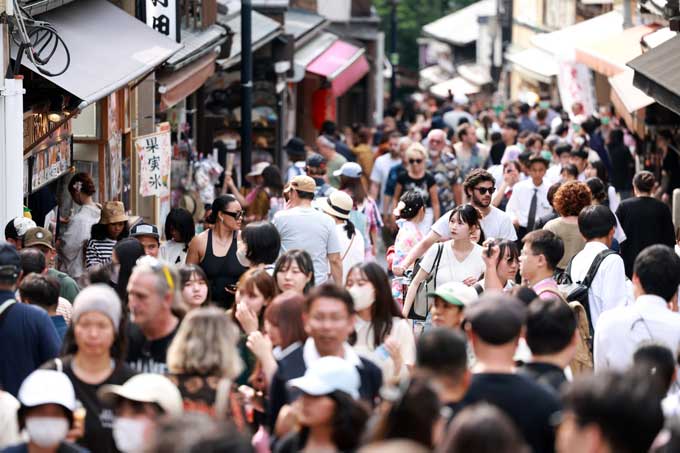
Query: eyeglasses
235, 215
485, 190
415, 161
158, 266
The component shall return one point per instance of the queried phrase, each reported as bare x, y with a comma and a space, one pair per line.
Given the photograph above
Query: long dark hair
354, 187
302, 259
271, 177
219, 205
180, 220
384, 308
128, 251
99, 232
118, 349
470, 215
348, 422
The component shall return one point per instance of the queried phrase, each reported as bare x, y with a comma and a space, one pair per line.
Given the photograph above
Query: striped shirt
99, 251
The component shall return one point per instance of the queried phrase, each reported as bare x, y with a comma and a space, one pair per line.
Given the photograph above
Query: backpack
578, 291
583, 359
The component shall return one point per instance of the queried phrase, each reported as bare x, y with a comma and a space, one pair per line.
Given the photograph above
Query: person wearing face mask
93, 357
46, 413
382, 334
137, 405
195, 289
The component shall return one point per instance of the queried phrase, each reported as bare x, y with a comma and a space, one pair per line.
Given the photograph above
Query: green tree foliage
412, 15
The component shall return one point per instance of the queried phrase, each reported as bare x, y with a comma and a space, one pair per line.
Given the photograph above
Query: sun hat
145, 388
349, 169
301, 183
47, 387
38, 236
337, 204
327, 375
456, 293
257, 169
113, 212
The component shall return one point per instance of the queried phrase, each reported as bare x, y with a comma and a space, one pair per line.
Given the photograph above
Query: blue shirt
27, 340
60, 324
391, 184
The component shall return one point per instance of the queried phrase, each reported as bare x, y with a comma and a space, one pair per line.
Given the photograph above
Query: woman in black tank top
222, 271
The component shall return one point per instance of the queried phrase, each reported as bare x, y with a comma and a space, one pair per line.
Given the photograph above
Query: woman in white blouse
179, 231
456, 260
382, 334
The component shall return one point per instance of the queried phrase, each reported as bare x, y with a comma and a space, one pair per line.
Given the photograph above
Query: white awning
631, 98
461, 28
432, 75
457, 85
534, 63
108, 49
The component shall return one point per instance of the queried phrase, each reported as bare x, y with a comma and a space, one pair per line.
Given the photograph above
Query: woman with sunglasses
215, 250
417, 178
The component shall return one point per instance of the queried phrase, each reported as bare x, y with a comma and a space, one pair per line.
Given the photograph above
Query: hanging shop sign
163, 16
50, 162
154, 152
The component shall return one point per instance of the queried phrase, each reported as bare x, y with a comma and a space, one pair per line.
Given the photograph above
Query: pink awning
342, 64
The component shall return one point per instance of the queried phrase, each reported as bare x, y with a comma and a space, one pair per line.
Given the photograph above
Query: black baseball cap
10, 263
295, 147
316, 161
496, 320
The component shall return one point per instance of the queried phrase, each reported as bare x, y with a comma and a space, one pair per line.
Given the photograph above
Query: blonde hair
206, 344
416, 150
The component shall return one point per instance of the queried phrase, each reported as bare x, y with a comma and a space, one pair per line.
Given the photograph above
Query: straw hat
113, 212
338, 204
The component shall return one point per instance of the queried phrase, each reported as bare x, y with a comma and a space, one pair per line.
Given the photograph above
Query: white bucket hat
338, 204
145, 388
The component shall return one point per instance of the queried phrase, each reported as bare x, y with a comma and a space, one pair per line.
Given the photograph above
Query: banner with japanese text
155, 153
162, 16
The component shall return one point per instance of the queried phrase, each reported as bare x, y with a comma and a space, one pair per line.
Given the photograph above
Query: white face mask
128, 433
364, 296
47, 431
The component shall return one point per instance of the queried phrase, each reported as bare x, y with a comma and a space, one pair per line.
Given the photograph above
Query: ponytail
350, 229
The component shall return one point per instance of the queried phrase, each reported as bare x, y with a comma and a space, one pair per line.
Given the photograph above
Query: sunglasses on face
484, 190
235, 215
415, 161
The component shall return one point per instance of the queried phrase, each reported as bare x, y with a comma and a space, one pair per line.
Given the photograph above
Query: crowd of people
457, 279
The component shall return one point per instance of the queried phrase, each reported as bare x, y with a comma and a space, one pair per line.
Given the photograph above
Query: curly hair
571, 197
475, 177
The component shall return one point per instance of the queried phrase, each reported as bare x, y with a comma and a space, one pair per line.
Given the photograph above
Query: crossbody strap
592, 271
349, 246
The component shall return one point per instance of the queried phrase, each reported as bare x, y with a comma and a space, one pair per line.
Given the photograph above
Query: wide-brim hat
338, 204
113, 212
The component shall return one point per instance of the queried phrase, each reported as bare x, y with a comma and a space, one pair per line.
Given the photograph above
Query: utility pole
246, 87
394, 56
11, 138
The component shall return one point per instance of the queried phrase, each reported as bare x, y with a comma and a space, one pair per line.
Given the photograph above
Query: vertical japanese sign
163, 16
154, 153
575, 84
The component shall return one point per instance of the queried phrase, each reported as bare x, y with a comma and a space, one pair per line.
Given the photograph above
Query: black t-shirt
545, 373
422, 185
528, 404
98, 419
146, 356
671, 165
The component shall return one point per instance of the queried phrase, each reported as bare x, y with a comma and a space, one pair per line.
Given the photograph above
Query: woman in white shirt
179, 231
504, 265
338, 206
382, 335
456, 260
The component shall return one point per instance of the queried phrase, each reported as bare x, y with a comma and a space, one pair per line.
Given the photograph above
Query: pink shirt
546, 284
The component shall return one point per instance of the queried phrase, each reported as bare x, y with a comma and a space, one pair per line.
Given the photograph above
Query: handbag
421, 304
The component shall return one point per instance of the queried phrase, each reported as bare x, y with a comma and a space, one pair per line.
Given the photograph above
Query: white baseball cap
145, 388
328, 374
47, 387
349, 169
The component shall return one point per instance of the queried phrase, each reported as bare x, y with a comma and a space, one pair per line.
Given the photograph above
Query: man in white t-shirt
479, 186
383, 164
303, 227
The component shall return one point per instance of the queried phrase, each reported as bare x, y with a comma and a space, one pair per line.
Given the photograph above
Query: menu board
51, 162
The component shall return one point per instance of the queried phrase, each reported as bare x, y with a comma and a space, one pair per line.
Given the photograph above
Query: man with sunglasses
479, 186
303, 227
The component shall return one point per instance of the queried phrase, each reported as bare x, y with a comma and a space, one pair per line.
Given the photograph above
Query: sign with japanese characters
161, 15
154, 152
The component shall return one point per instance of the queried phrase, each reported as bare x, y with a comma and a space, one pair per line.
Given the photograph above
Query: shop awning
309, 52
657, 73
108, 48
299, 22
561, 43
658, 37
342, 64
628, 96
264, 30
178, 85
476, 74
432, 75
535, 63
609, 56
457, 85
197, 43
460, 28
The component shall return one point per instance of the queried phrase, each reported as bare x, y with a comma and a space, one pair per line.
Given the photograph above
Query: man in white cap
138, 404
46, 413
303, 227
